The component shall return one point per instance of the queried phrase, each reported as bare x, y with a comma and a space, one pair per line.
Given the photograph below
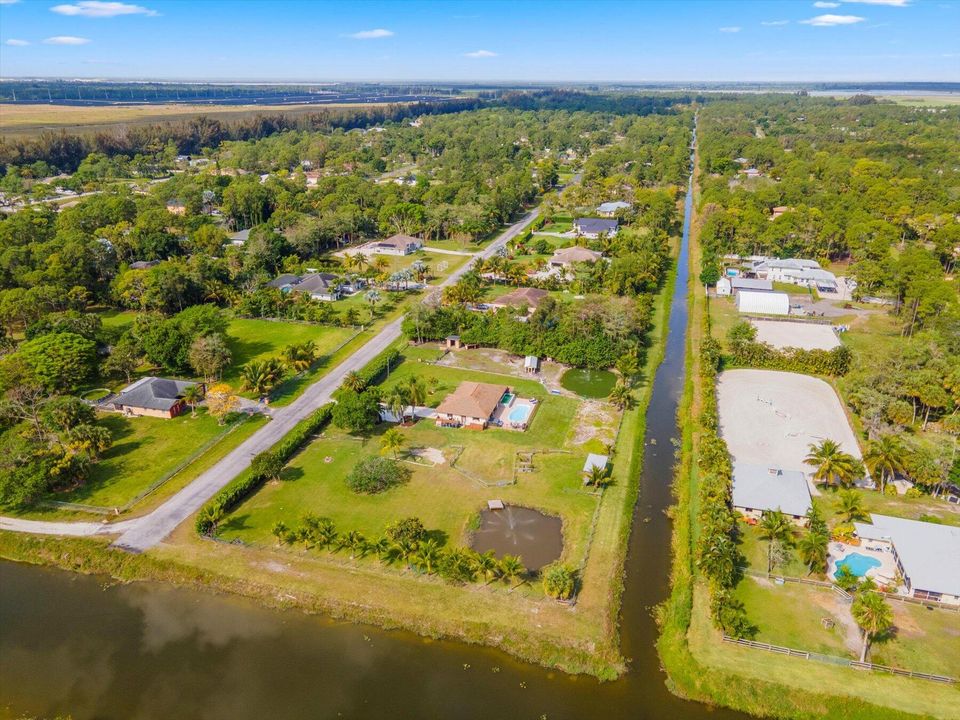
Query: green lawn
923, 640
443, 497
144, 450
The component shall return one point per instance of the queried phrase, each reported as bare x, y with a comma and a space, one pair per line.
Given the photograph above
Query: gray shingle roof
153, 393
596, 225
758, 487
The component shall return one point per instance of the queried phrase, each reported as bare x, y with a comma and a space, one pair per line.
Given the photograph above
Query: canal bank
144, 650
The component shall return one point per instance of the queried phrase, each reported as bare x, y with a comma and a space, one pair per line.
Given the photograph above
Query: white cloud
15, 42
731, 29
891, 3
774, 23
371, 34
832, 20
65, 40
98, 9
480, 54
9, 2
821, 4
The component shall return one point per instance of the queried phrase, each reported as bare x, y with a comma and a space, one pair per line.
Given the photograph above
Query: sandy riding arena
808, 336
771, 417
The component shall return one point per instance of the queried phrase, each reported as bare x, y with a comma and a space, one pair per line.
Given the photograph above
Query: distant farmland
24, 120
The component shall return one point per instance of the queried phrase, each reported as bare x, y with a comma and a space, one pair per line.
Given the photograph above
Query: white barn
763, 303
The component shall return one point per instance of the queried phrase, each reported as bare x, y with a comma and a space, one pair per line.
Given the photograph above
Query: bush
913, 493
356, 412
559, 581
410, 529
890, 490
374, 475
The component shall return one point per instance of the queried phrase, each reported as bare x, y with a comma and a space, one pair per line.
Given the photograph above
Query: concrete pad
772, 417
807, 336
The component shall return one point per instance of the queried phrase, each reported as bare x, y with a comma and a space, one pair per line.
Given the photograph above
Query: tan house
471, 405
521, 297
566, 257
153, 397
395, 245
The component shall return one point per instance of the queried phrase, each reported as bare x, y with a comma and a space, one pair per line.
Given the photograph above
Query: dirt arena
808, 336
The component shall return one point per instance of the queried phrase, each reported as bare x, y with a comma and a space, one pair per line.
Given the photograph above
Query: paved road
139, 534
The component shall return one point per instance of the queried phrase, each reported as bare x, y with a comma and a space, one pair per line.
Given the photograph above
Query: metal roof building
763, 303
760, 488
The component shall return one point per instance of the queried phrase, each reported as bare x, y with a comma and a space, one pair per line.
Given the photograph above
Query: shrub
559, 581
374, 475
410, 529
913, 493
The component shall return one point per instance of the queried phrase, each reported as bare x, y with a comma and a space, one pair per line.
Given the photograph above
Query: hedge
813, 362
245, 483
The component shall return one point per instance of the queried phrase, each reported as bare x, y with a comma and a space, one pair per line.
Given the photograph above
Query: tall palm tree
884, 458
261, 376
813, 550
831, 464
397, 402
353, 381
511, 568
391, 442
850, 506
416, 393
300, 356
372, 297
621, 396
774, 527
873, 616
192, 395
486, 565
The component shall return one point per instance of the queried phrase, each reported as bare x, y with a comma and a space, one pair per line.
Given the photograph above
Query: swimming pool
507, 398
858, 564
519, 414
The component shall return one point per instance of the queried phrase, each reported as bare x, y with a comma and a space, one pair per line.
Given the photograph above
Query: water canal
145, 651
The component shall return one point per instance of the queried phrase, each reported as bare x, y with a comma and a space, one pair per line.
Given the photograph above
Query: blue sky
553, 40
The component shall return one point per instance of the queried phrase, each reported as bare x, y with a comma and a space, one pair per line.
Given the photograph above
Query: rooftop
929, 553
399, 241
473, 399
575, 254
531, 297
760, 487
613, 206
749, 284
596, 225
153, 393
594, 460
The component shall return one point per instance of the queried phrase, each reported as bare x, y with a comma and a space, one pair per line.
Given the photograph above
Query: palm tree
813, 550
192, 395
397, 402
774, 527
420, 270
850, 506
884, 458
598, 476
359, 261
280, 531
511, 568
391, 442
486, 565
873, 615
372, 297
356, 541
404, 549
380, 546
620, 396
416, 393
380, 263
300, 356
831, 464
261, 376
353, 381
427, 555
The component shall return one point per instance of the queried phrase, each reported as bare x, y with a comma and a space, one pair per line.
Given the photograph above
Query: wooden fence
832, 659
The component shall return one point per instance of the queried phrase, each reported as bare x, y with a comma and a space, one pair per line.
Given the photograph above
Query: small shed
763, 303
531, 364
495, 504
453, 342
723, 287
594, 461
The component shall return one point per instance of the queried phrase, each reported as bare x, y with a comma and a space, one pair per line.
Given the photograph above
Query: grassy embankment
582, 638
701, 667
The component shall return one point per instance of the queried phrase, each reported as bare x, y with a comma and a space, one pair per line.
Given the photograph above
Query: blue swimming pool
519, 414
858, 564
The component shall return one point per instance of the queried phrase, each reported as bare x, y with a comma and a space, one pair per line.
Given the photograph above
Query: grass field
446, 498
33, 119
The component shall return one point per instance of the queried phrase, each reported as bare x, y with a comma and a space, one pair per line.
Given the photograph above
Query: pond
589, 383
535, 537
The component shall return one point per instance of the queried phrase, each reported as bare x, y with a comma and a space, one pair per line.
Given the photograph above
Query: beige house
471, 405
153, 397
521, 297
566, 257
395, 245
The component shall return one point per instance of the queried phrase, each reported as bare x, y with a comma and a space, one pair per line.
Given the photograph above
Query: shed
763, 303
724, 287
594, 461
531, 364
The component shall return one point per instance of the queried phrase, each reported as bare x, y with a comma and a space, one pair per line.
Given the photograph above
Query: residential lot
772, 417
808, 336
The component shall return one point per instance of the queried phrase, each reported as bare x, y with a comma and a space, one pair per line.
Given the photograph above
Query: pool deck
882, 575
502, 415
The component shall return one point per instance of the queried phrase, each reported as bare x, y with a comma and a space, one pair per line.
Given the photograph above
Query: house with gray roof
318, 285
595, 227
759, 489
153, 397
927, 554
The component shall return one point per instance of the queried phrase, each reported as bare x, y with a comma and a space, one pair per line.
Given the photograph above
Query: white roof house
763, 303
607, 209
928, 554
761, 488
738, 283
594, 460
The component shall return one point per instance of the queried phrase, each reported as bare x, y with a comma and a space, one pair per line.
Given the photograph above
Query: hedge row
246, 483
812, 362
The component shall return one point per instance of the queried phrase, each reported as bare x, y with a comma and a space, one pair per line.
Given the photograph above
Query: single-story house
566, 257
176, 207
927, 554
822, 280
751, 172
609, 209
531, 364
143, 264
595, 227
733, 285
594, 461
318, 285
775, 268
763, 303
758, 489
471, 405
153, 396
239, 239
395, 245
521, 297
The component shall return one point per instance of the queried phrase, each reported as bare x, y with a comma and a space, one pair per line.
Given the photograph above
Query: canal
146, 651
